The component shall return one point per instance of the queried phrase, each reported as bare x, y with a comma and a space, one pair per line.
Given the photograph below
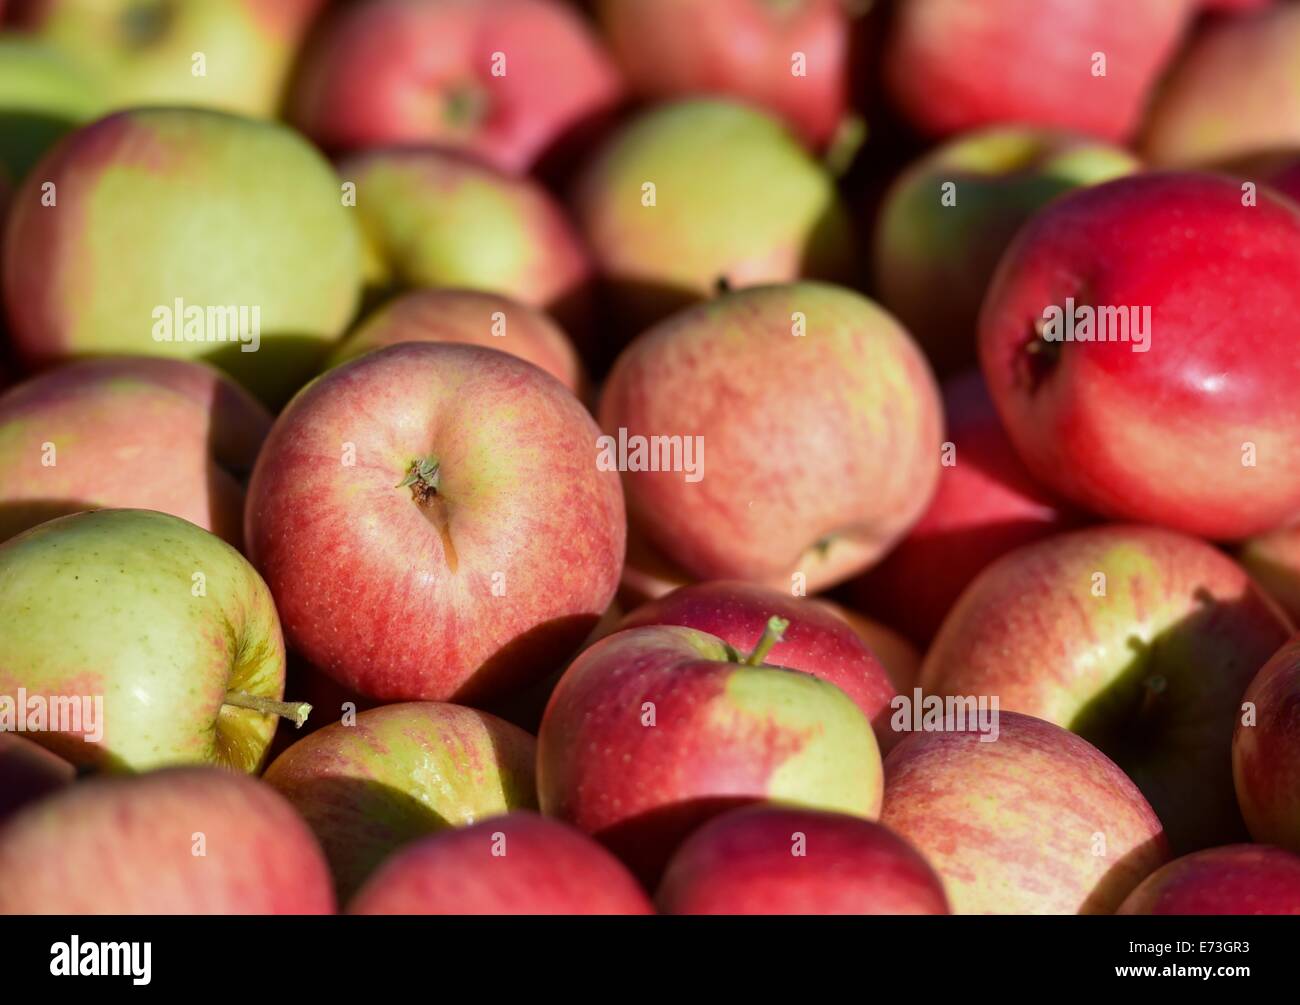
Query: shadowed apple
1266, 751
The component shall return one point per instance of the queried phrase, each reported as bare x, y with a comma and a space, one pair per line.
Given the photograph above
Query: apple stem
295, 711
772, 634
850, 135
1152, 688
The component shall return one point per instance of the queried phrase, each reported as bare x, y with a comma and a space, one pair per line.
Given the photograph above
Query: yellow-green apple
1084, 65
194, 840
1139, 639
789, 56
43, 95
141, 641
506, 80
470, 317
901, 660
985, 505
229, 54
1236, 879
1131, 293
1273, 561
653, 730
130, 433
183, 233
1038, 821
435, 218
785, 860
1266, 751
433, 523
371, 782
815, 641
947, 219
1233, 92
665, 232
518, 863
28, 772
816, 380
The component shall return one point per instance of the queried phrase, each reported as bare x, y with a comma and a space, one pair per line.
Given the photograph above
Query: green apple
43, 95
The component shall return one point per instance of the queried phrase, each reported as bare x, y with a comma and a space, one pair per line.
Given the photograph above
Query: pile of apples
530, 457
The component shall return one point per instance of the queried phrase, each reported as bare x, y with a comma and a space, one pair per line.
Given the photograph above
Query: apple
826, 452
28, 772
686, 727
666, 231
183, 233
1037, 822
1139, 639
1266, 751
435, 218
43, 95
901, 660
518, 863
986, 504
949, 216
770, 859
140, 641
815, 641
86, 436
178, 841
376, 780
791, 58
506, 80
1238, 879
229, 54
957, 65
1169, 256
469, 317
1273, 561
1231, 93
433, 524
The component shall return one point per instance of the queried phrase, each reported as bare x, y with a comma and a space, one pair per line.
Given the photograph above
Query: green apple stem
772, 634
849, 137
295, 711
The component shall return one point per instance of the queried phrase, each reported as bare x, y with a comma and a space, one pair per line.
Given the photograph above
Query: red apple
826, 451
653, 730
1266, 751
955, 65
1237, 879
175, 841
432, 523
1186, 415
29, 772
504, 80
986, 505
900, 658
1037, 822
789, 57
815, 641
519, 863
128, 433
781, 860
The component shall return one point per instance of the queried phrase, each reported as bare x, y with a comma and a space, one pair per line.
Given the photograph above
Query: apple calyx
773, 633
466, 107
1039, 356
295, 711
422, 476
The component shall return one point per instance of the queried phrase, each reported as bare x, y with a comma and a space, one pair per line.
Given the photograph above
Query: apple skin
405, 72
1013, 826
724, 734
143, 55
853, 396
392, 589
1266, 753
28, 772
924, 243
107, 604
127, 846
1152, 672
957, 65
43, 95
1237, 879
1080, 413
815, 642
469, 317
103, 417
901, 660
741, 48
400, 772
518, 863
274, 236
436, 218
1273, 561
763, 212
743, 863
985, 505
